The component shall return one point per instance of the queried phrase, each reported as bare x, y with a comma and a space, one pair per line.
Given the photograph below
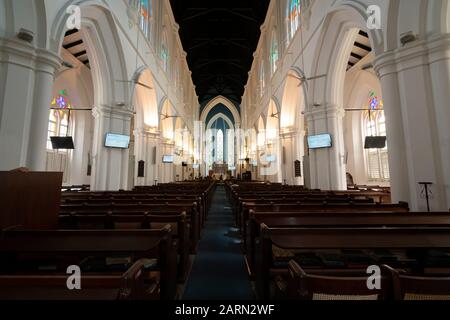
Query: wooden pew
145, 221
336, 220
328, 285
191, 211
18, 250
319, 208
298, 200
130, 285
141, 199
409, 287
419, 239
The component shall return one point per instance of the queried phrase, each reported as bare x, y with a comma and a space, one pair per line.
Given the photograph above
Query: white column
26, 81
416, 80
440, 82
110, 166
398, 159
81, 129
327, 167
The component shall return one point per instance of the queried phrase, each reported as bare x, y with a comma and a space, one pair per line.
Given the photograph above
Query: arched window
144, 10
145, 15
58, 124
165, 54
219, 146
293, 17
262, 79
209, 148
231, 151
375, 125
274, 53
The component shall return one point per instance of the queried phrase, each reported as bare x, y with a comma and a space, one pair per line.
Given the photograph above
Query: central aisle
219, 271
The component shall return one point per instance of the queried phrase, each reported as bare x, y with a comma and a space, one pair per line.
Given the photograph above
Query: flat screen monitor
117, 141
65, 143
375, 143
196, 166
271, 158
232, 168
319, 141
168, 159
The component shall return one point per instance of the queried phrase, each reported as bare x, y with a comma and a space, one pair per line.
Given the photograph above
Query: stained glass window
293, 17
375, 103
375, 125
165, 55
58, 123
143, 14
274, 53
219, 146
61, 101
262, 81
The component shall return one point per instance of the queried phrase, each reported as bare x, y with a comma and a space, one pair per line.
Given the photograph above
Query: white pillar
398, 159
110, 166
81, 129
26, 81
327, 167
416, 80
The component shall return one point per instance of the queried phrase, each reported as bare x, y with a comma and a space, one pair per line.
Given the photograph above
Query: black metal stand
426, 193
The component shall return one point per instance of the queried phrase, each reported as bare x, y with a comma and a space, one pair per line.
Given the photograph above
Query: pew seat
327, 286
134, 284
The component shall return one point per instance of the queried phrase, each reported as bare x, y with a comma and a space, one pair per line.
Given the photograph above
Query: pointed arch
224, 101
144, 100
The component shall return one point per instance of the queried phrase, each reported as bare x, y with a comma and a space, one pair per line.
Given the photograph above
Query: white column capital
288, 132
26, 55
324, 112
419, 53
116, 112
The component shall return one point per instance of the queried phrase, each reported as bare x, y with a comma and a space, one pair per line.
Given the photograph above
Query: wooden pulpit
30, 199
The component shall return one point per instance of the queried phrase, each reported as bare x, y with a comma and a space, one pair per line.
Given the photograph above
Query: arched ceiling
220, 38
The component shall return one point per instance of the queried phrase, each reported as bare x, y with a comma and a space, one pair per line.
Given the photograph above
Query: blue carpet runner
219, 271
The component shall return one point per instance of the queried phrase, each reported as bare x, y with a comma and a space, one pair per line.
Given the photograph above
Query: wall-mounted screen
232, 168
195, 166
64, 143
117, 141
168, 159
319, 141
271, 158
375, 143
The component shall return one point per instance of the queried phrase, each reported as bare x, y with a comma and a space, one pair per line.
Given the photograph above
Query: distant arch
224, 101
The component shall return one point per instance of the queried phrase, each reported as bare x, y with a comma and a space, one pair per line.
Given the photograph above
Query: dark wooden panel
30, 199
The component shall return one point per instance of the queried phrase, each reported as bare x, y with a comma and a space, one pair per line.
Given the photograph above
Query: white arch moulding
217, 117
227, 103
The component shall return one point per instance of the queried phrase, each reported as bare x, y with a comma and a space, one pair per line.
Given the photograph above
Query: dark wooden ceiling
220, 37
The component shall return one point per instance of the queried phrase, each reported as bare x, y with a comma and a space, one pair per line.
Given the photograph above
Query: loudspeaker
154, 156
298, 168
141, 169
284, 155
